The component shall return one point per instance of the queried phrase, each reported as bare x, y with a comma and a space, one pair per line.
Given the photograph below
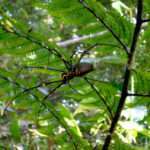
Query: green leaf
15, 130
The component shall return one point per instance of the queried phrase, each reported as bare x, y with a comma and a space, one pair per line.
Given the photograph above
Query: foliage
41, 39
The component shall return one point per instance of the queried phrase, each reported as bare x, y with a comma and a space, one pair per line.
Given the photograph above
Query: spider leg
100, 96
85, 52
7, 79
69, 84
25, 90
52, 91
75, 90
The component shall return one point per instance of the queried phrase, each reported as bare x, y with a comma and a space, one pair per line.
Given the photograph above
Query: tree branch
105, 25
127, 75
145, 20
137, 94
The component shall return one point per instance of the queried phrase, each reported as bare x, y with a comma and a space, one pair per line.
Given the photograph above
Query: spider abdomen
78, 71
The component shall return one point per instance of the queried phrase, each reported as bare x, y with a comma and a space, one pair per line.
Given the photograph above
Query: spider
78, 70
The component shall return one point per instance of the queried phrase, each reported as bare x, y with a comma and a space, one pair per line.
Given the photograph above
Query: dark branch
105, 25
100, 96
127, 75
137, 94
145, 20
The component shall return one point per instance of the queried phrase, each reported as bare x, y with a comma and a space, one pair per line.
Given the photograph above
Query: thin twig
138, 94
105, 25
145, 20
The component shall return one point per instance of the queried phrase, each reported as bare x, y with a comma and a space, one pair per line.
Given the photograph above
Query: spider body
77, 71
